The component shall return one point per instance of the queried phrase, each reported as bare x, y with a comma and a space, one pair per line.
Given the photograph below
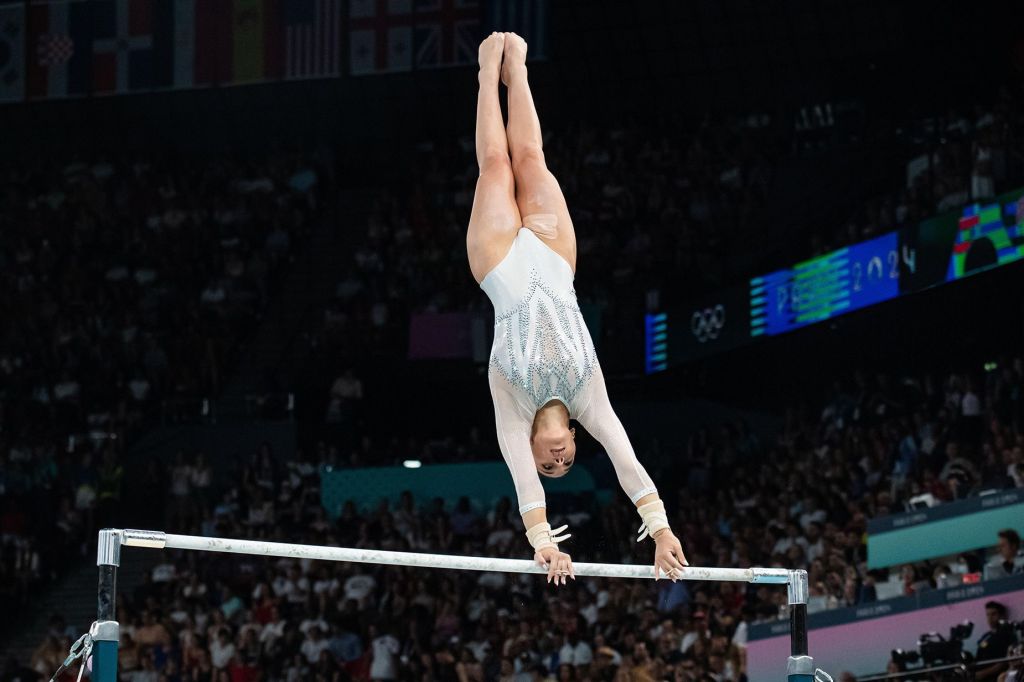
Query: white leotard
542, 351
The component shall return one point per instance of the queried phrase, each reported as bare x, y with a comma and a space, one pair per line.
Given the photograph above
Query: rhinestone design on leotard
542, 346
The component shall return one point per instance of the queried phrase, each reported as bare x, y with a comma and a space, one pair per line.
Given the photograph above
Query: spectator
1009, 559
314, 645
994, 643
385, 647
222, 649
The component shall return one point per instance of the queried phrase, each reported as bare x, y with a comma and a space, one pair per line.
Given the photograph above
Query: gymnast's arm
514, 440
600, 420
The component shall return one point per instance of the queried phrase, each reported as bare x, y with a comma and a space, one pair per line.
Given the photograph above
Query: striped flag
380, 36
178, 56
247, 56
237, 41
12, 52
312, 38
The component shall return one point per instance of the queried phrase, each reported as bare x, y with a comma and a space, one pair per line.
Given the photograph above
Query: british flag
447, 32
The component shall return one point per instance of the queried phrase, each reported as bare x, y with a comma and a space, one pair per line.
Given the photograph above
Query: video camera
934, 649
1011, 630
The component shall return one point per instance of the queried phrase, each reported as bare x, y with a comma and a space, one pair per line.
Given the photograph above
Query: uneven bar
156, 539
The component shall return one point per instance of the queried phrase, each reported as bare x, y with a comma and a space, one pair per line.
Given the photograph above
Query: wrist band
541, 536
654, 519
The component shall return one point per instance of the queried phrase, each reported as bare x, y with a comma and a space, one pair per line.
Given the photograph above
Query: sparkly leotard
542, 351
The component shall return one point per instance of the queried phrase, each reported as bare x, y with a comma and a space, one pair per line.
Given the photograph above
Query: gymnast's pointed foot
514, 65
491, 50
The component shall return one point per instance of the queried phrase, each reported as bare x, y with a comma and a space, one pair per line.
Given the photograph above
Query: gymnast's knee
527, 158
495, 163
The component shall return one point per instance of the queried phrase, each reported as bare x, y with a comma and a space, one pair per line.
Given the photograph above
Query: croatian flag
59, 49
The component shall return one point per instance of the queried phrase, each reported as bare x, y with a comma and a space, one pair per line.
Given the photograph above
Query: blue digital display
875, 270
656, 343
826, 286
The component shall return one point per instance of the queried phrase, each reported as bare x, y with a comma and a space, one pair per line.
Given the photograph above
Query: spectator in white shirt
1008, 559
273, 630
971, 404
384, 665
575, 652
812, 513
792, 537
313, 645
222, 649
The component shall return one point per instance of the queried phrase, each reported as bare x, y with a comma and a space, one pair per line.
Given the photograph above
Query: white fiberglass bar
158, 540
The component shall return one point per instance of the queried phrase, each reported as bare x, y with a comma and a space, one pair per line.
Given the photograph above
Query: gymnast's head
552, 440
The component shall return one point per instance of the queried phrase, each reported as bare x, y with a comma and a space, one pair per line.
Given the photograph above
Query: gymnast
543, 367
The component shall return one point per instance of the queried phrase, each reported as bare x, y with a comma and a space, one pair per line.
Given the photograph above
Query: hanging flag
83, 47
380, 36
312, 31
12, 52
181, 49
174, 45
235, 41
247, 40
528, 18
59, 54
122, 46
447, 32
213, 46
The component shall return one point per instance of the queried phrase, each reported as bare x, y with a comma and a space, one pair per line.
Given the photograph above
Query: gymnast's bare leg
495, 219
537, 190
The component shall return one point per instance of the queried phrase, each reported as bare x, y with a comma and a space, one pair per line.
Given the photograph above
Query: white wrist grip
655, 518
541, 536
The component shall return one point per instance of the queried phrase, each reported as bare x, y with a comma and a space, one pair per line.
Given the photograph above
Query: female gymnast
543, 367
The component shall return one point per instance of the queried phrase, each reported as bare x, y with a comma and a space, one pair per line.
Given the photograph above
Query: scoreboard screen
829, 285
943, 249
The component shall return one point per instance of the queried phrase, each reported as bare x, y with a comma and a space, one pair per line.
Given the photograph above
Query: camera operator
1016, 671
994, 643
1009, 560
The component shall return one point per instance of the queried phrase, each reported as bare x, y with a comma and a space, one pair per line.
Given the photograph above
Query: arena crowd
800, 500
133, 282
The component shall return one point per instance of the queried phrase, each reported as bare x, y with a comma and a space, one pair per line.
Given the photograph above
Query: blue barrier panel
943, 530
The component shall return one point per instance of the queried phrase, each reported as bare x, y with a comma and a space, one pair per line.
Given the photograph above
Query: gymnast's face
554, 450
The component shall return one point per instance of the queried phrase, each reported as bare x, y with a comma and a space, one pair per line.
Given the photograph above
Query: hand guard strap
541, 536
655, 519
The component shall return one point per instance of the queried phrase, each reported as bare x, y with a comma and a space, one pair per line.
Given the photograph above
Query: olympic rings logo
708, 323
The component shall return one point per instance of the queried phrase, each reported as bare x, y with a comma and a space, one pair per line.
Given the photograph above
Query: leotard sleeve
514, 441
600, 420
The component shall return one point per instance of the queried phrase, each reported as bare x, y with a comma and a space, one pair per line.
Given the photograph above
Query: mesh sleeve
514, 441
600, 420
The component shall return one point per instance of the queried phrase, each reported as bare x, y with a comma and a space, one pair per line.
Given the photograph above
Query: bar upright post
105, 631
800, 667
